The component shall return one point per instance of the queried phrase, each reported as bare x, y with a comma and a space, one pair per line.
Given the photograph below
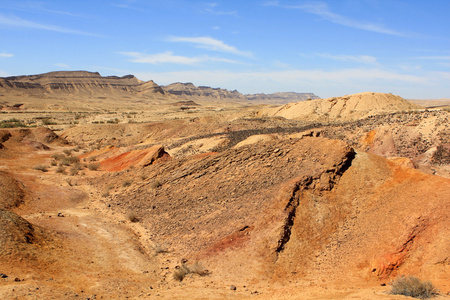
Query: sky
330, 47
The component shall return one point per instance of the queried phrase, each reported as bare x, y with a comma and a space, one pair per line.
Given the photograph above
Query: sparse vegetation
93, 167
126, 183
155, 184
183, 270
41, 168
158, 248
413, 287
61, 170
132, 217
12, 123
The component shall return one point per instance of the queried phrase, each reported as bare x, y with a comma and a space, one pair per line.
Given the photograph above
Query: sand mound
349, 107
17, 235
11, 191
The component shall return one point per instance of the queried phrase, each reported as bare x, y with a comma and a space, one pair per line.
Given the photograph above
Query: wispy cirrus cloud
321, 9
6, 55
211, 44
14, 21
433, 57
212, 9
366, 59
169, 57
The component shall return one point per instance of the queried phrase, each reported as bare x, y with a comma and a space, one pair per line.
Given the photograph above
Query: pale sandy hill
350, 107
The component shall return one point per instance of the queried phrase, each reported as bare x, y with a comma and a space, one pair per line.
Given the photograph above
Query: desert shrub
180, 272
53, 163
183, 270
197, 268
11, 123
67, 152
68, 160
126, 183
73, 171
61, 170
158, 248
132, 217
41, 168
143, 176
155, 184
413, 287
58, 156
93, 167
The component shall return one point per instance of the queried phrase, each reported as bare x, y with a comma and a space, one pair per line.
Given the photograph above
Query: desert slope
349, 107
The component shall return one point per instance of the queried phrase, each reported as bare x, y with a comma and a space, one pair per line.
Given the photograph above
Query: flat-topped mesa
283, 96
81, 82
188, 89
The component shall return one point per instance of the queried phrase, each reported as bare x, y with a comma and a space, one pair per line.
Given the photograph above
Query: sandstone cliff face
189, 90
79, 83
283, 97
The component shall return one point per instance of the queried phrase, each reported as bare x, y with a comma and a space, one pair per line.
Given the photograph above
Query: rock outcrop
79, 83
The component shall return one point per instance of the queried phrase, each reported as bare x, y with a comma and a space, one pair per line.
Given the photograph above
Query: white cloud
18, 22
169, 57
321, 9
65, 66
6, 55
210, 44
434, 57
367, 59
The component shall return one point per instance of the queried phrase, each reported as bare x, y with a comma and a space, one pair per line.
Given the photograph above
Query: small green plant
41, 168
413, 287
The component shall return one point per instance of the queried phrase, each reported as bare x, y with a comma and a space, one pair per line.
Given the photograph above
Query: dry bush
93, 167
197, 268
61, 170
132, 217
183, 270
58, 156
155, 184
41, 168
73, 171
68, 160
67, 152
126, 183
180, 272
413, 287
159, 248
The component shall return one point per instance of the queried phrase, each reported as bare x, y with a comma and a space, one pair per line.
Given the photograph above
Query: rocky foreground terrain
319, 199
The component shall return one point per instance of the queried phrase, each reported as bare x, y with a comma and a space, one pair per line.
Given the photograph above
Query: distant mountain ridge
92, 84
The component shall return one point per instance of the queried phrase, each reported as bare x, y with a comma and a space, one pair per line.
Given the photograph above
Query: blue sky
330, 47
